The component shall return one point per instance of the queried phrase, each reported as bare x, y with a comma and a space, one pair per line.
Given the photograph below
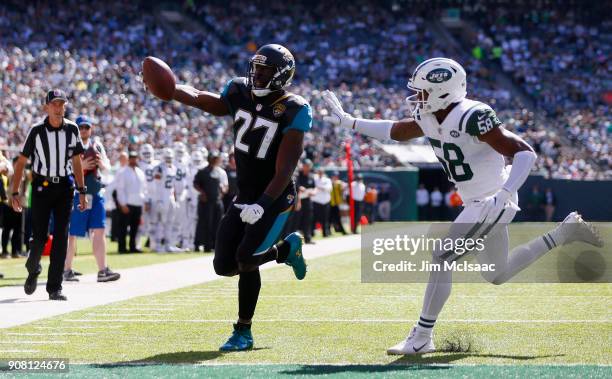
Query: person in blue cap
93, 219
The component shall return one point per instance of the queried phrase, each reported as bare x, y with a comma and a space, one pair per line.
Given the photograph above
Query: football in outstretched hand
158, 78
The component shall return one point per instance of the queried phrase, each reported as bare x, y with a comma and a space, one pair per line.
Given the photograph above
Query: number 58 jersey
259, 126
474, 166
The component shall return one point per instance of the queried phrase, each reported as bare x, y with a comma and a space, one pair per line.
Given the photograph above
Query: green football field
332, 324
15, 273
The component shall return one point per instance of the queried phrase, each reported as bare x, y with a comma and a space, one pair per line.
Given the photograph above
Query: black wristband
15, 194
265, 201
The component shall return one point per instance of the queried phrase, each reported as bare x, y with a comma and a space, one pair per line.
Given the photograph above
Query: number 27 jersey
259, 126
474, 166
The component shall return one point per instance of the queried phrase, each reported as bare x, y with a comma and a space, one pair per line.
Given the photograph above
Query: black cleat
30, 284
57, 295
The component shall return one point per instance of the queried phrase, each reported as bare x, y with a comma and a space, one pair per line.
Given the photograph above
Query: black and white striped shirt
51, 149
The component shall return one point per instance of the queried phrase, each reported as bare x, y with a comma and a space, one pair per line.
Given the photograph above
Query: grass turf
332, 324
15, 272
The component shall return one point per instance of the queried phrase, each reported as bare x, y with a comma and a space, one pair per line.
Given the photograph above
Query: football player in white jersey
470, 143
181, 162
147, 164
188, 228
165, 204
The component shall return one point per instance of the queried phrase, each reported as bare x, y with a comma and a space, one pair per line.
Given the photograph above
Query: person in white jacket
320, 201
131, 187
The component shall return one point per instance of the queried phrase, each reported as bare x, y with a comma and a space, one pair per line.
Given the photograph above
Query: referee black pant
56, 199
12, 223
321, 215
304, 220
209, 217
336, 220
131, 220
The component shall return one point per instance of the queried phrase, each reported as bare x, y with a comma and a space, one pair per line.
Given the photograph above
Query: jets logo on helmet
437, 83
270, 69
439, 75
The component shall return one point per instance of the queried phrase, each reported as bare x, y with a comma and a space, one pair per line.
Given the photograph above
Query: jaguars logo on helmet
270, 69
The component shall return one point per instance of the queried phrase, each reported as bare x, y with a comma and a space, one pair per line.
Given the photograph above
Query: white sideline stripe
51, 334
19, 351
356, 280
180, 304
419, 296
206, 290
120, 314
78, 327
199, 296
141, 309
171, 304
34, 342
155, 279
348, 321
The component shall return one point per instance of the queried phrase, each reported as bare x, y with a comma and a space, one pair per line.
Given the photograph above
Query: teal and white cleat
295, 259
240, 340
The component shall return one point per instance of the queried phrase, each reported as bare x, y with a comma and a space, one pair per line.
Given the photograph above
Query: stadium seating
363, 49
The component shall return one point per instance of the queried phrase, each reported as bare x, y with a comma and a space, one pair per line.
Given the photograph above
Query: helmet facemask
146, 152
169, 157
180, 155
261, 77
418, 100
147, 157
437, 83
265, 78
424, 102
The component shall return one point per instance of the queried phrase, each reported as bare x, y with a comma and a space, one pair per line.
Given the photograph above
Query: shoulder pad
296, 99
478, 120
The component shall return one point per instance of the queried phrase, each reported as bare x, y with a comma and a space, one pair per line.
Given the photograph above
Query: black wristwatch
82, 190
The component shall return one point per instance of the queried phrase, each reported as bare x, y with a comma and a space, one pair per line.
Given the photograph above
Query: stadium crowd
371, 68
100, 68
560, 56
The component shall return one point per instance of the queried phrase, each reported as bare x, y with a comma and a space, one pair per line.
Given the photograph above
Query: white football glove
494, 205
251, 213
337, 115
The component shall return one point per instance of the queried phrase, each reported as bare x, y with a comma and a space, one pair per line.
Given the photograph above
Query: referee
54, 147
